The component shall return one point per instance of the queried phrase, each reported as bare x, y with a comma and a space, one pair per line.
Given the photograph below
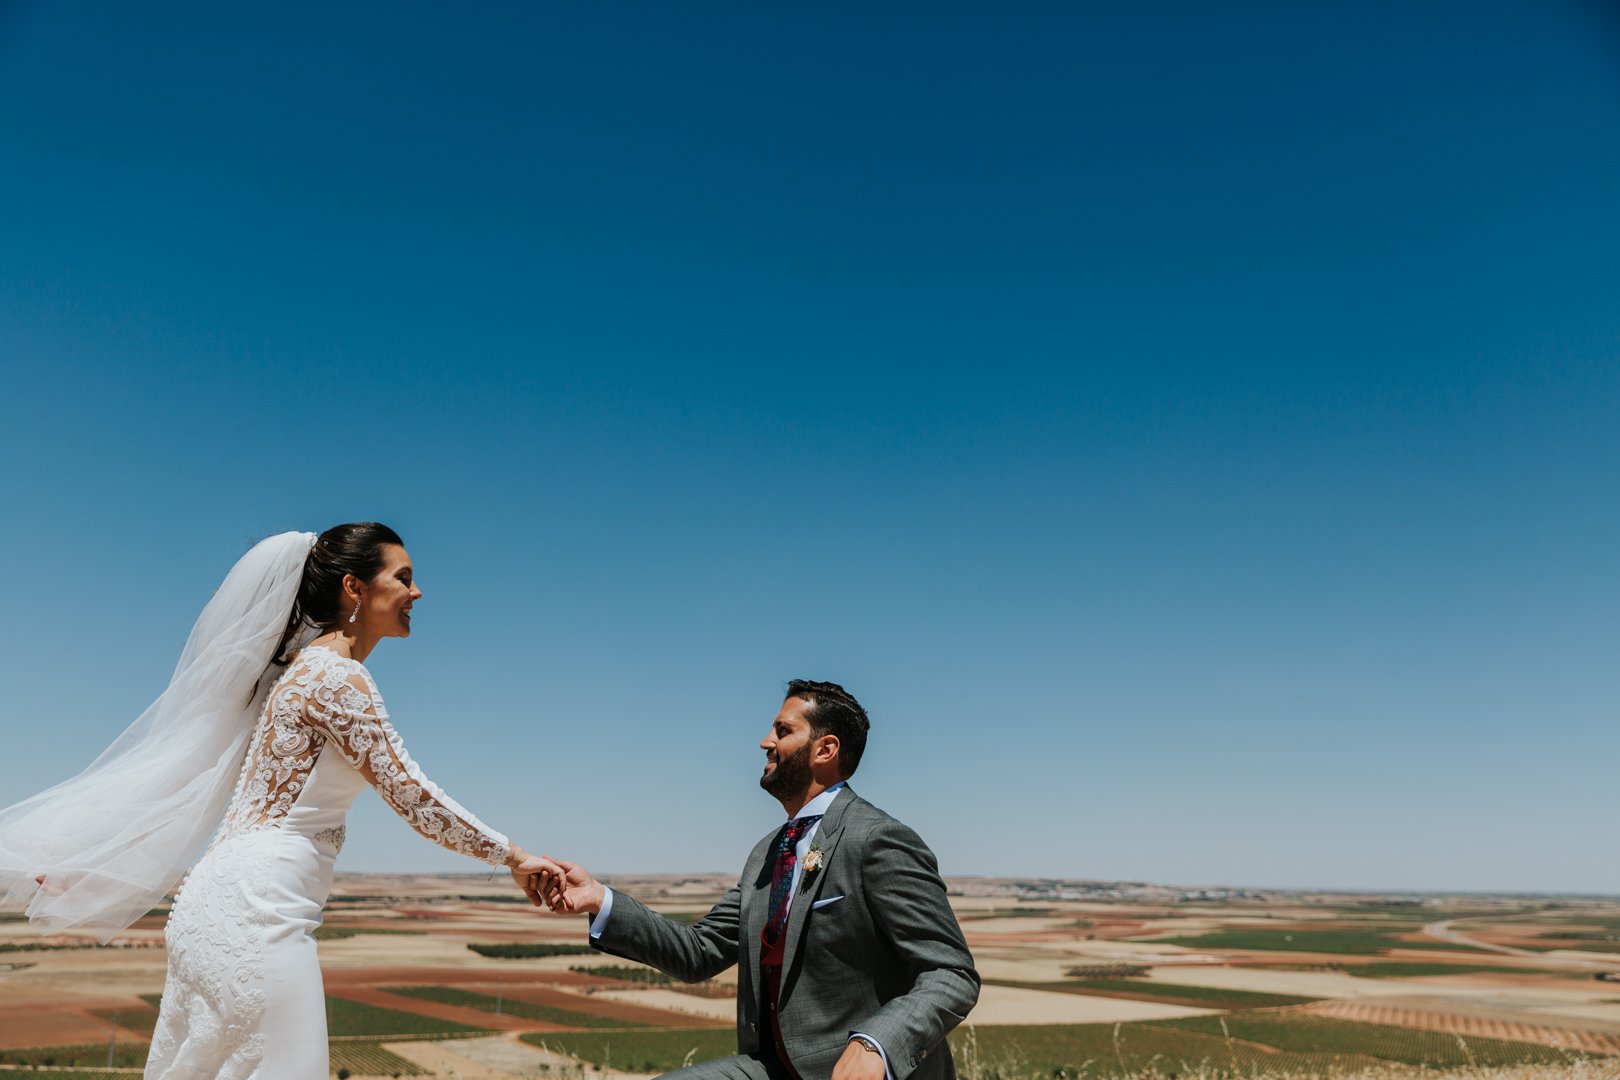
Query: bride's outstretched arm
357, 729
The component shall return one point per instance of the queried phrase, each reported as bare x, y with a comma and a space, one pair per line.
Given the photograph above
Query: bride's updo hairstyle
355, 548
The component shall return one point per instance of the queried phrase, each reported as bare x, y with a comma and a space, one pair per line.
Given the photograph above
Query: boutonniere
813, 859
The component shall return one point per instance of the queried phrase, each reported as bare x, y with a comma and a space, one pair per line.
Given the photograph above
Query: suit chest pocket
839, 925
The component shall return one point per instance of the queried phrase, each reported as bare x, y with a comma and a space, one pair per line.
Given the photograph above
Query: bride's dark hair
355, 548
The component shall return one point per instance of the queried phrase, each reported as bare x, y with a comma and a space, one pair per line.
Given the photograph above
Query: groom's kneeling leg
741, 1067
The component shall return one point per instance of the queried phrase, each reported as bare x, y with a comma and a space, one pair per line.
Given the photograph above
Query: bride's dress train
244, 996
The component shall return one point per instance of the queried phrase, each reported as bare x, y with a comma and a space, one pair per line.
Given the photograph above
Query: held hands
572, 891
564, 887
535, 875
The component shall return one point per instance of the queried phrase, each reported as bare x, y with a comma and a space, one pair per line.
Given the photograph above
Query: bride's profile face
388, 599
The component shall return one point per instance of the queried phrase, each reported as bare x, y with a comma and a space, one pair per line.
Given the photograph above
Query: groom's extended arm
690, 953
907, 899
623, 926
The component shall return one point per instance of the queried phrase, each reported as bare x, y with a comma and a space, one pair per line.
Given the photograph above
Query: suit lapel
756, 899
826, 839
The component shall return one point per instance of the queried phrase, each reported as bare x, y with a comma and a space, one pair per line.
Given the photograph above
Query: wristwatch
870, 1044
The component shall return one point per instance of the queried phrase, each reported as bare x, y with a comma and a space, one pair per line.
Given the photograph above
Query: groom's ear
826, 749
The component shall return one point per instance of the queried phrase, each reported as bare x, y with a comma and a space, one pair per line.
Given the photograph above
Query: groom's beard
791, 775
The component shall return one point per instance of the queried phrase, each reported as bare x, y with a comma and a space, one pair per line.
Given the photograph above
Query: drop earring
356, 614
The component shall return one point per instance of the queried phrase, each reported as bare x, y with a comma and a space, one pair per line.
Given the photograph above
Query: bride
268, 730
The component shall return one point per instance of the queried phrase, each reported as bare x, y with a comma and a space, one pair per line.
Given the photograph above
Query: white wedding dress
244, 996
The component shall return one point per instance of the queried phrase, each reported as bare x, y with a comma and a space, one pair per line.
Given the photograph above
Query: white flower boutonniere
813, 859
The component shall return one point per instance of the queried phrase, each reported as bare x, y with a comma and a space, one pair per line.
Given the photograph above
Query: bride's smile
386, 606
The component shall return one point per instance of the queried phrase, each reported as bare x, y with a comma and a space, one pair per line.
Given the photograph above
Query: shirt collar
820, 803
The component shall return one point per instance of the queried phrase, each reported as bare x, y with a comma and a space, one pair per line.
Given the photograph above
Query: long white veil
115, 839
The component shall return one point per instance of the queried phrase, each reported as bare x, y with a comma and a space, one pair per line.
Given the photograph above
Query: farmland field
449, 995
1408, 969
1204, 997
125, 1055
1304, 1033
429, 973
1251, 1043
523, 951
357, 1018
1366, 942
365, 1057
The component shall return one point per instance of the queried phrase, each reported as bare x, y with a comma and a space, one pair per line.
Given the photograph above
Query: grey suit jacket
872, 946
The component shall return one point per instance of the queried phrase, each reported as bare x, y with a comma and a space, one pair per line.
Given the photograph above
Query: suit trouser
739, 1067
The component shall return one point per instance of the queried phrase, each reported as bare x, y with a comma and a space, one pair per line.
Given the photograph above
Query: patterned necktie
782, 875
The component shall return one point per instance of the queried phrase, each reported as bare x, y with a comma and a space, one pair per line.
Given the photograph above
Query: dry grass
974, 1062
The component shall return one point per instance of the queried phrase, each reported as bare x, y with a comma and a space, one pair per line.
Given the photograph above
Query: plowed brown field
23, 1026
1474, 1026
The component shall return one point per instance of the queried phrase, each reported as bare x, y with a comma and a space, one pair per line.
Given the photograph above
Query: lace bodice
327, 703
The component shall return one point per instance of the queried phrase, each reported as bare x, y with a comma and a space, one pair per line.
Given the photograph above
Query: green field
43, 946
1579, 946
126, 1055
338, 933
449, 995
1367, 942
349, 1018
136, 1018
1105, 971
1018, 913
1202, 997
518, 951
1596, 922
1410, 969
625, 972
364, 1057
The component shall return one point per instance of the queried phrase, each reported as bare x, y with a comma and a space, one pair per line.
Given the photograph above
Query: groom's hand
575, 891
859, 1063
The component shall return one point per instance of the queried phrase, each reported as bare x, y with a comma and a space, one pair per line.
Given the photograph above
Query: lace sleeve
349, 710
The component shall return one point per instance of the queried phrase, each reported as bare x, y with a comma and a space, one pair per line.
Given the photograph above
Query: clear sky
1191, 430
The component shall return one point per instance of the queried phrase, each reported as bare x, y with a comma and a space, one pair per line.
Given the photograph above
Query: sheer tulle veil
115, 839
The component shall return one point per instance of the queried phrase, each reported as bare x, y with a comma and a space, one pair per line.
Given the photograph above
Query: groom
851, 964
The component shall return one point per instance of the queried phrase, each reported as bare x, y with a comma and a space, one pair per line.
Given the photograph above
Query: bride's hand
540, 878
50, 886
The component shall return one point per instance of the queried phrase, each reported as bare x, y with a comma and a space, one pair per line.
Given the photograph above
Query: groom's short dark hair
834, 711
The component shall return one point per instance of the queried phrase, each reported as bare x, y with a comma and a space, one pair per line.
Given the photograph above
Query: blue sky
1191, 432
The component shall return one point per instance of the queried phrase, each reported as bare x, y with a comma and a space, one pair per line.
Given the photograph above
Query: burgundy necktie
782, 876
